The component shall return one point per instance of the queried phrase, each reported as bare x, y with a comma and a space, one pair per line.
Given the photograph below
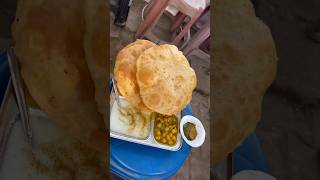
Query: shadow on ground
289, 128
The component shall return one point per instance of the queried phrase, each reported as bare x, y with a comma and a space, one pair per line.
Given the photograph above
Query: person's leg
122, 13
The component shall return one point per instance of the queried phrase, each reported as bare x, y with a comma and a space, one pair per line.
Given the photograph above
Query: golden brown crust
49, 43
244, 65
165, 78
95, 45
125, 72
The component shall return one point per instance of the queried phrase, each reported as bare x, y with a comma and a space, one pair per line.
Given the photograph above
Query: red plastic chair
155, 9
197, 39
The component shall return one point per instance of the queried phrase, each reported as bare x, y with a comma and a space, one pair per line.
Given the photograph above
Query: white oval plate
201, 133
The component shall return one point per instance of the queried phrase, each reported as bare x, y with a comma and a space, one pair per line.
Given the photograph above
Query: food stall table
134, 161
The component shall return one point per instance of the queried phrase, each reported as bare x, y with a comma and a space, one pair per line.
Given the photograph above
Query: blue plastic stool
4, 75
249, 156
135, 161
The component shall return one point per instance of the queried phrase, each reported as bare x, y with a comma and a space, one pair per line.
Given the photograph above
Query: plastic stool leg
198, 38
178, 21
152, 17
149, 7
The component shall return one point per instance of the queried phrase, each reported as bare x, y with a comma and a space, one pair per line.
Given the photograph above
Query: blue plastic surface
135, 161
249, 156
4, 75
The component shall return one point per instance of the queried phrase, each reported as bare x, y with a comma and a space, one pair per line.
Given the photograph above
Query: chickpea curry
166, 129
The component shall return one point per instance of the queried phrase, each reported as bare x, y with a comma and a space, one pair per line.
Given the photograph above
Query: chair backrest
188, 7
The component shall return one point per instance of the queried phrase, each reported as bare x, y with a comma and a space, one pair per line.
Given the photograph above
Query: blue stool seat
249, 156
134, 161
